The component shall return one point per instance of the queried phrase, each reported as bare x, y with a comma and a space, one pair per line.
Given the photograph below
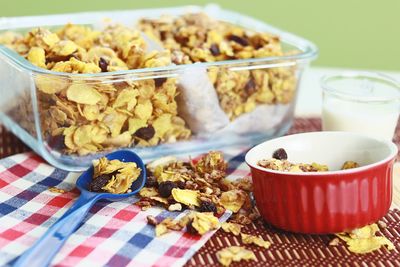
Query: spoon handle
44, 250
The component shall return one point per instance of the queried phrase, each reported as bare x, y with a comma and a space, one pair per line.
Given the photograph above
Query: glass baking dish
27, 109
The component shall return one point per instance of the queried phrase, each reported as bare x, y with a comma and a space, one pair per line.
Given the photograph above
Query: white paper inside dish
261, 119
198, 102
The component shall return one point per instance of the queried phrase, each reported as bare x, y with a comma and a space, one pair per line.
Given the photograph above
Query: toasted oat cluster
199, 38
279, 162
83, 117
200, 186
113, 176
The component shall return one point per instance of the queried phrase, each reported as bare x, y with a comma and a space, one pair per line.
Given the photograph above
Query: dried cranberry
190, 229
207, 206
103, 64
215, 50
97, 183
146, 133
239, 40
280, 154
165, 188
159, 81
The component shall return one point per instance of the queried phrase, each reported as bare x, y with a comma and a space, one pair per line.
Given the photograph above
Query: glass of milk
361, 102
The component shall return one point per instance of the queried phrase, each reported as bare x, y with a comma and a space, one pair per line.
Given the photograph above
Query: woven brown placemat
287, 249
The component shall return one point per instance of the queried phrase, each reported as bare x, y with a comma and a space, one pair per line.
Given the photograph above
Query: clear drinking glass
362, 102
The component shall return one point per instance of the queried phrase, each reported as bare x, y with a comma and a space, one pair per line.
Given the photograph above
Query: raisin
103, 64
159, 81
97, 183
163, 35
250, 87
57, 142
279, 154
145, 133
215, 50
165, 188
181, 184
239, 40
151, 181
207, 206
190, 229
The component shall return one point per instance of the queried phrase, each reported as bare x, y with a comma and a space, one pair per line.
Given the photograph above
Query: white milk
366, 103
378, 121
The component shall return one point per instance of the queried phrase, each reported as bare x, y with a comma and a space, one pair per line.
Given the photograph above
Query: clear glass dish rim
327, 89
308, 52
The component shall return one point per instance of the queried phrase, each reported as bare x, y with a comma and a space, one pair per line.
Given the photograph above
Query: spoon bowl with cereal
120, 174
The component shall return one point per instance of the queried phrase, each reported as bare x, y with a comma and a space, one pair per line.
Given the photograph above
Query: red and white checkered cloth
113, 234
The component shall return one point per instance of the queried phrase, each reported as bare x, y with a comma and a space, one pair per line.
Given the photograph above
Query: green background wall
361, 34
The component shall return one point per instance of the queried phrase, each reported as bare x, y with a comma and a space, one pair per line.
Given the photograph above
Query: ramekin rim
390, 157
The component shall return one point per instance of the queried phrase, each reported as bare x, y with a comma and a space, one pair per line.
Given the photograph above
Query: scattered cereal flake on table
259, 241
204, 222
363, 240
233, 228
161, 229
234, 253
186, 196
57, 190
233, 200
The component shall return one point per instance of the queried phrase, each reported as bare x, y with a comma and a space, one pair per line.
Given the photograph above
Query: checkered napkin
113, 234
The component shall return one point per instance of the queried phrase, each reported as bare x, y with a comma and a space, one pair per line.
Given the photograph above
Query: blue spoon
44, 250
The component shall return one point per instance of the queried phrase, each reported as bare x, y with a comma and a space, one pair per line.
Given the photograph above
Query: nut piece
152, 220
234, 253
334, 242
382, 225
175, 207
56, 190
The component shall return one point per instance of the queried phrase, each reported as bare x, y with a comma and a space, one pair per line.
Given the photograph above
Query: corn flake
234, 254
83, 94
233, 228
233, 200
364, 240
204, 222
186, 196
251, 239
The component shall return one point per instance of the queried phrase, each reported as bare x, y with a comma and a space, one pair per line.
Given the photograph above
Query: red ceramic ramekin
324, 202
